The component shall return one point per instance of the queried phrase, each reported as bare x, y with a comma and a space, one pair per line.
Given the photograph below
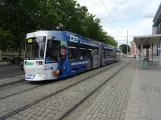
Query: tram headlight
38, 62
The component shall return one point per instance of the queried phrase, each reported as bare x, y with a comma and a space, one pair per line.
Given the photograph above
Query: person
63, 69
145, 58
81, 57
8, 59
48, 58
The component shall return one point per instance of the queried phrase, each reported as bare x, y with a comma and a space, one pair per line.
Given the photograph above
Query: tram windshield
35, 48
53, 51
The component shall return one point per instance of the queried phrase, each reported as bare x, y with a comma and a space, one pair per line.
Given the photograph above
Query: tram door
90, 58
95, 58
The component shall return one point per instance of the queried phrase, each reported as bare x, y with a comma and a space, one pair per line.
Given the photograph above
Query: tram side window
107, 54
53, 51
72, 51
89, 54
111, 53
103, 54
83, 54
96, 51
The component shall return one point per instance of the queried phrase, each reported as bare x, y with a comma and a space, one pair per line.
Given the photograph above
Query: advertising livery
53, 55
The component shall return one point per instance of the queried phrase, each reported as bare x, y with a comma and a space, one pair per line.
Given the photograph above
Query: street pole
0, 51
127, 42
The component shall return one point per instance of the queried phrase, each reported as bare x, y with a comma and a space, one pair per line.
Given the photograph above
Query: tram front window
52, 51
35, 48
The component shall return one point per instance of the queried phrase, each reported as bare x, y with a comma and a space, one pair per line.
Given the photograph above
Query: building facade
134, 50
156, 29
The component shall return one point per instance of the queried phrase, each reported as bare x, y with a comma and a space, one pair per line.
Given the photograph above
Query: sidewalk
145, 97
3, 63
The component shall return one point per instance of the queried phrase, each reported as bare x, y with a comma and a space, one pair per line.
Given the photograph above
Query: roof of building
147, 40
157, 17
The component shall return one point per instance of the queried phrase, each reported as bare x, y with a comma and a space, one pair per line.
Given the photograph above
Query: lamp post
0, 51
127, 42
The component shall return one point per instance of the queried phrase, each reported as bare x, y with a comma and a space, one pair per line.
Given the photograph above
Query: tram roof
81, 38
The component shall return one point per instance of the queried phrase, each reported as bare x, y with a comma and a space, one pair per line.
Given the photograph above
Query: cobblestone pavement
110, 101
8, 71
17, 88
54, 107
133, 112
11, 80
12, 103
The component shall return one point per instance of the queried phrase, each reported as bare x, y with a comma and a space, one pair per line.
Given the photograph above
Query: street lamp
127, 42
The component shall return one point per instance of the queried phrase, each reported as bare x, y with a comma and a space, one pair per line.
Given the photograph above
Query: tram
51, 55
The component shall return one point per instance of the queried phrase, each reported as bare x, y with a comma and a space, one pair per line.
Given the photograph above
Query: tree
19, 17
123, 47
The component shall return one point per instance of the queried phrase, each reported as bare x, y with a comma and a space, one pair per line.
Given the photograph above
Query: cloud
133, 15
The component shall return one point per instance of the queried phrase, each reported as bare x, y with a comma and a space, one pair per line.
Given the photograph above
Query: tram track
18, 90
53, 94
13, 85
88, 96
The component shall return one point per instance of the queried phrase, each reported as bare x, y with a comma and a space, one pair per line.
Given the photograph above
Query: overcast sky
136, 16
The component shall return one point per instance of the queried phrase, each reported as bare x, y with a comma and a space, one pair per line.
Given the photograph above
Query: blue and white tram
52, 55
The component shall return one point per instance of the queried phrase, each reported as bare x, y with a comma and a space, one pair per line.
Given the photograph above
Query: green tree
123, 47
19, 17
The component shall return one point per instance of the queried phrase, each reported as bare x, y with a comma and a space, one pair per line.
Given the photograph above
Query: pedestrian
8, 59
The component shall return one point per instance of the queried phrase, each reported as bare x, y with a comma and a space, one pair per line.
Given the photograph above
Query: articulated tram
53, 55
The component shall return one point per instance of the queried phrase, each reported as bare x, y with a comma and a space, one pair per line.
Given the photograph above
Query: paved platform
145, 97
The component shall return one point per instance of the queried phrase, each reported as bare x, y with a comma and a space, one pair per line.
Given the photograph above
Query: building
134, 50
156, 29
4, 54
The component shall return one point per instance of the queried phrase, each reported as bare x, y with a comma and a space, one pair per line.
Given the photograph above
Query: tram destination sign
30, 63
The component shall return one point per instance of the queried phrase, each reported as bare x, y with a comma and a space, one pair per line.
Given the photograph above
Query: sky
134, 16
